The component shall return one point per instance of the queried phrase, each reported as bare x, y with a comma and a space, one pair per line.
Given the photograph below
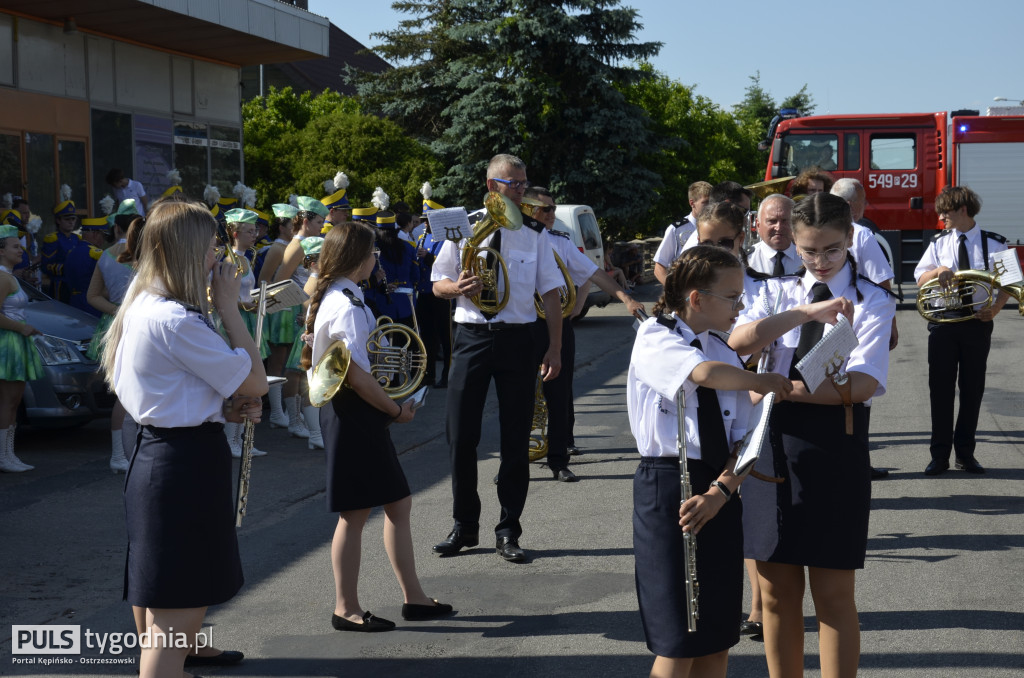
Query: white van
580, 223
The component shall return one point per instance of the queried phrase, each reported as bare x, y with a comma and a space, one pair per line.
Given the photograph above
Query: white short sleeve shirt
339, 318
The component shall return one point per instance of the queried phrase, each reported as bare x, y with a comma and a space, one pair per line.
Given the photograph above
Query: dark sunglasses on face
726, 243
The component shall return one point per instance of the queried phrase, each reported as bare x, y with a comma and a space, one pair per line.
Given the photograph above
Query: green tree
528, 77
293, 143
753, 116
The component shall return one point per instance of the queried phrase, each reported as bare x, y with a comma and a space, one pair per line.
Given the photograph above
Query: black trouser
505, 353
956, 350
434, 316
558, 393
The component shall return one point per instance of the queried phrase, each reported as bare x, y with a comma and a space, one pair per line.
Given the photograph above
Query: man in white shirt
677, 233
125, 188
775, 254
498, 346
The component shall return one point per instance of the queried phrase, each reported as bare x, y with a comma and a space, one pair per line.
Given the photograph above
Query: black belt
484, 328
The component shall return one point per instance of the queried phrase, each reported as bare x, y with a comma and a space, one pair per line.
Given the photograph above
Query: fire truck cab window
803, 151
893, 151
851, 155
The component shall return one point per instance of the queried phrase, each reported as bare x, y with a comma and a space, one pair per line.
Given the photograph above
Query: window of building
225, 158
10, 164
71, 166
893, 151
39, 163
153, 145
111, 147
190, 157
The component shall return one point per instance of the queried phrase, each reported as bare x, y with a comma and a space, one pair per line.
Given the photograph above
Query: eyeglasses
737, 302
547, 209
727, 243
514, 185
831, 255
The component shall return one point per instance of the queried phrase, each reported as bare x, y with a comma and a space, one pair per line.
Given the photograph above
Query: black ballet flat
411, 612
370, 624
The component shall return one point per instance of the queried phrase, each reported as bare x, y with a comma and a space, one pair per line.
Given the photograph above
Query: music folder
281, 295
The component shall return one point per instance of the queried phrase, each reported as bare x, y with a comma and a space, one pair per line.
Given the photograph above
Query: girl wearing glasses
817, 518
363, 470
703, 292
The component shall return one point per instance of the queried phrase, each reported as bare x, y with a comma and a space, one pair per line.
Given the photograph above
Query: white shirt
869, 255
531, 268
339, 318
944, 250
676, 236
662, 361
762, 258
872, 322
579, 265
133, 190
171, 368
402, 235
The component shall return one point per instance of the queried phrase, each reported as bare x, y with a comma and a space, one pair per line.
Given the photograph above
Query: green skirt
19, 359
250, 324
281, 327
295, 355
95, 351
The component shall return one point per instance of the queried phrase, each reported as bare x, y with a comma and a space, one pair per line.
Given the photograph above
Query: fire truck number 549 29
892, 180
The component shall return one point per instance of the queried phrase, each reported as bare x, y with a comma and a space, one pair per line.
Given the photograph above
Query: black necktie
488, 296
963, 259
779, 268
810, 331
714, 446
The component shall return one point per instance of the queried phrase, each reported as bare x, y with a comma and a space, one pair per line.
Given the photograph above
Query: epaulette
560, 234
899, 297
994, 236
356, 301
724, 338
756, 275
666, 321
942, 233
50, 237
95, 252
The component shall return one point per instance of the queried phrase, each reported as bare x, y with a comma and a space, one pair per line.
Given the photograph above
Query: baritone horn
956, 303
486, 262
566, 293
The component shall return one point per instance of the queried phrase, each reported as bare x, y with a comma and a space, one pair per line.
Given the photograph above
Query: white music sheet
830, 353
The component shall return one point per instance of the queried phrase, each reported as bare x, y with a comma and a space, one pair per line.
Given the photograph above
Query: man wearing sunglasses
501, 347
558, 391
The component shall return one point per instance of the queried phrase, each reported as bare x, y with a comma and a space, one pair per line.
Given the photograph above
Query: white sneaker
296, 427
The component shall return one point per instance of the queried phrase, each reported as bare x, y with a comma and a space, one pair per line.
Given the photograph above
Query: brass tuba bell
329, 374
501, 213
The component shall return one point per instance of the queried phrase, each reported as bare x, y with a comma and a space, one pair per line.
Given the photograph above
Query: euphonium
567, 293
955, 303
501, 213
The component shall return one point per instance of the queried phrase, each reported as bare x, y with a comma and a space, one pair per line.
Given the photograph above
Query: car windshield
33, 292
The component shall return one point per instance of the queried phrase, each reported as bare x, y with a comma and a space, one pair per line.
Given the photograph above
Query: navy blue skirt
661, 570
818, 515
180, 513
363, 470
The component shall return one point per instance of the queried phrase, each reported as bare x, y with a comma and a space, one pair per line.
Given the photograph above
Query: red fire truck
904, 161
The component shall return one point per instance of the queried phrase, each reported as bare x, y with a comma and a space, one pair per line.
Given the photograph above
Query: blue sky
869, 56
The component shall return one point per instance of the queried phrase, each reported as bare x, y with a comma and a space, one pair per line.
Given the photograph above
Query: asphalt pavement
942, 593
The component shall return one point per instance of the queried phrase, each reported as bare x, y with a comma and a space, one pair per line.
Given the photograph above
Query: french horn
501, 213
956, 303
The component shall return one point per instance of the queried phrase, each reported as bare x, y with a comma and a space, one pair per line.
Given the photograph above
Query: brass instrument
249, 434
398, 361
566, 294
689, 539
763, 189
501, 213
935, 303
539, 429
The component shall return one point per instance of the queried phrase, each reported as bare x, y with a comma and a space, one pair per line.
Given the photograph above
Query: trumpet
501, 213
398, 361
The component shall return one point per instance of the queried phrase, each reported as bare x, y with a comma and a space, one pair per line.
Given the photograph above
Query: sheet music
453, 222
831, 352
757, 435
1007, 266
281, 295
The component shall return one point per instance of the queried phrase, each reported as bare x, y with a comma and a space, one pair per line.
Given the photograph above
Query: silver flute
689, 539
249, 432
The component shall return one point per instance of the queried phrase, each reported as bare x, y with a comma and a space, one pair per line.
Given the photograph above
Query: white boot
278, 419
118, 462
312, 416
9, 463
296, 427
233, 432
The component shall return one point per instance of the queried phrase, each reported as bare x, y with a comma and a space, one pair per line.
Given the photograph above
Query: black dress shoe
970, 464
508, 548
411, 612
571, 450
454, 542
751, 628
564, 475
225, 658
370, 624
936, 467
879, 473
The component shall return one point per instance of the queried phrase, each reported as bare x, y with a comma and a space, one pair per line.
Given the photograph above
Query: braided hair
824, 210
345, 248
696, 269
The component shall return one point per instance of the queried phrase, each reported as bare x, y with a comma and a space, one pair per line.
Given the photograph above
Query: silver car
72, 391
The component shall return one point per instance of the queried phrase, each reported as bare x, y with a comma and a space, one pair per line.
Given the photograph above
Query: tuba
566, 293
398, 361
501, 213
955, 303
